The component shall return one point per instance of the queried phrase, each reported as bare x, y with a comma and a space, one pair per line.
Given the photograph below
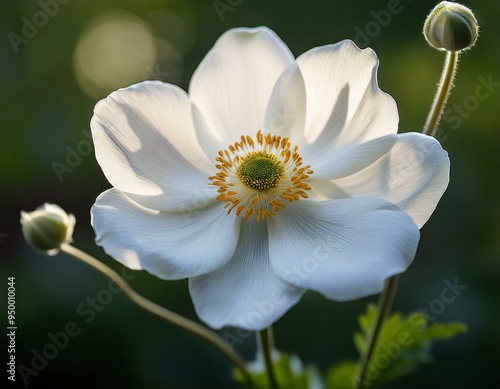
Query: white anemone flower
270, 177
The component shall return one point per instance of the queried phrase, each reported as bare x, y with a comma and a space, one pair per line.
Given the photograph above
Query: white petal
344, 249
233, 83
167, 245
413, 176
146, 145
344, 102
211, 141
350, 159
245, 293
286, 112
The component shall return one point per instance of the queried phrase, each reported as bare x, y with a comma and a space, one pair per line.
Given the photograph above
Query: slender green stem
390, 287
162, 312
384, 307
266, 344
442, 93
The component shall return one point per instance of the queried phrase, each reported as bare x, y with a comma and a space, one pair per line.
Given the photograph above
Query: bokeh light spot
114, 50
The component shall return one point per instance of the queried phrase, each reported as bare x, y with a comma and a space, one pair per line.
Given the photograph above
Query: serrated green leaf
404, 342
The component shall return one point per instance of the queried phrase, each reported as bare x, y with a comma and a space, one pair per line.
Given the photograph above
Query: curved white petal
344, 249
233, 83
167, 245
286, 112
350, 159
413, 175
147, 147
211, 142
246, 292
344, 103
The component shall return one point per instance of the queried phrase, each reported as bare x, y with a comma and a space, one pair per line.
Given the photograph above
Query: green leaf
404, 342
289, 371
342, 375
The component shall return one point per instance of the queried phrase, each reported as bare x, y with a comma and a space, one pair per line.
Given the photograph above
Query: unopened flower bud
451, 26
47, 227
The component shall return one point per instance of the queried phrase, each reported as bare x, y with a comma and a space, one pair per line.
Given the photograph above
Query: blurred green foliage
45, 121
404, 342
288, 370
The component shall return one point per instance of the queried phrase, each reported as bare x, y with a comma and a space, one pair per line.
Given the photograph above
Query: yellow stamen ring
255, 176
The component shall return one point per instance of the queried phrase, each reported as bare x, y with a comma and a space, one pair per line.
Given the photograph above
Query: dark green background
44, 111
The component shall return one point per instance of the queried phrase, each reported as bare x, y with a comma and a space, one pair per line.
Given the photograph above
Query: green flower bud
47, 228
451, 26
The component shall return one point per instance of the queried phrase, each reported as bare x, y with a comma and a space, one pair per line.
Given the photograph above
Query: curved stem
384, 307
266, 344
442, 94
165, 314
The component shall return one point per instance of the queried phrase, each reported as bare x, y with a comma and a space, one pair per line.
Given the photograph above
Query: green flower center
260, 171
